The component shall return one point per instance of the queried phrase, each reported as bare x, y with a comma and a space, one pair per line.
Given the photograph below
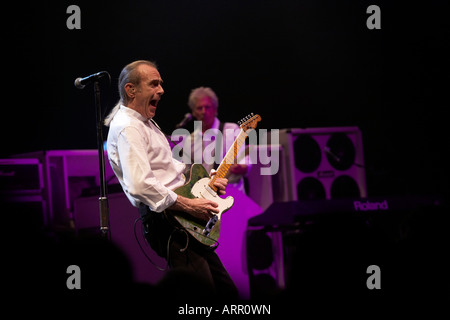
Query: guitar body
197, 187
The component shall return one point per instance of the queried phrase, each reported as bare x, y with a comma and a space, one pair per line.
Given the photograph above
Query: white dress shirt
141, 158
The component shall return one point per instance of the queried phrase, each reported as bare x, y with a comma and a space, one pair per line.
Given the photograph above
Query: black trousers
195, 269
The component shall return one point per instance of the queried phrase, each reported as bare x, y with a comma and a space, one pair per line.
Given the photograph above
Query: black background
296, 63
302, 63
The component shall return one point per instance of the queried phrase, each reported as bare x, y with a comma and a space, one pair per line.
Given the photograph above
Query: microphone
80, 83
186, 119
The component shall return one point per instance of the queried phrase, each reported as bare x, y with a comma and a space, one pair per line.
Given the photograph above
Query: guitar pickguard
201, 189
197, 187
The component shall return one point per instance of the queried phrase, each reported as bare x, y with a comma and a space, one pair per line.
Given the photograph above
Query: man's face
148, 92
205, 111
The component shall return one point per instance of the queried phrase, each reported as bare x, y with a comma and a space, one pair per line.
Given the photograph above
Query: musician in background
204, 104
141, 158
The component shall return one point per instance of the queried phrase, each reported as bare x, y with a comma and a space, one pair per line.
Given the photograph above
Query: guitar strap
169, 139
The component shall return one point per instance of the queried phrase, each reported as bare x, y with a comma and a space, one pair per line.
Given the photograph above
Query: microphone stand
103, 199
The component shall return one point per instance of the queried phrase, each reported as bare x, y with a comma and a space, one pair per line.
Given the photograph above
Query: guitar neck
228, 160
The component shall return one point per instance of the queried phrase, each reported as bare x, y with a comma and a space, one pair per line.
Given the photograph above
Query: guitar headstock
249, 122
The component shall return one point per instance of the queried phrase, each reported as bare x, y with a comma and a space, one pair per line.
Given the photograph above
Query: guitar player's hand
202, 209
220, 183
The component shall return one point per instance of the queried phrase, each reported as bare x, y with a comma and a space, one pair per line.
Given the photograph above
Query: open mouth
154, 103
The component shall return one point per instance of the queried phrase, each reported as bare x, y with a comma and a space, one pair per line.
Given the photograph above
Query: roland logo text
370, 206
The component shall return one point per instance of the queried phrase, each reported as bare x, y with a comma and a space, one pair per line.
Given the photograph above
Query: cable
187, 242
176, 228
216, 242
145, 254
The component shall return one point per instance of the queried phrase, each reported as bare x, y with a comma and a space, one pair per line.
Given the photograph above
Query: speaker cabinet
21, 176
66, 175
265, 262
323, 163
21, 191
266, 179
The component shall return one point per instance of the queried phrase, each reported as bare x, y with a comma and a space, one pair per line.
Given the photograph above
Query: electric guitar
201, 185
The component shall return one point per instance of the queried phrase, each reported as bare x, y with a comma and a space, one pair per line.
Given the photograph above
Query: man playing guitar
142, 161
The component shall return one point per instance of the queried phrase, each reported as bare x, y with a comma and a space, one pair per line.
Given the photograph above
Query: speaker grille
344, 187
323, 163
310, 188
340, 151
308, 153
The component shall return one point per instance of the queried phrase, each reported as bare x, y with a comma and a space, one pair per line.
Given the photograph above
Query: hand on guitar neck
199, 208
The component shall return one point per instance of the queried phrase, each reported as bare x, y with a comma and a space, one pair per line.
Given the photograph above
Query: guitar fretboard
229, 158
